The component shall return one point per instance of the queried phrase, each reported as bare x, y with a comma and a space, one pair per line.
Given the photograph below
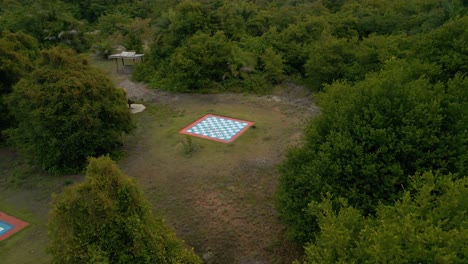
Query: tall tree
332, 59
371, 136
17, 53
198, 64
51, 22
106, 219
67, 111
445, 46
428, 225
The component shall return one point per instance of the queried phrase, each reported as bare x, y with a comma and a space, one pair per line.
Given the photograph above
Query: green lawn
25, 193
220, 199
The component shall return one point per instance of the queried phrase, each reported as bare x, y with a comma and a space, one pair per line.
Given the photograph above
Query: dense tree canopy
51, 22
318, 41
67, 111
371, 136
18, 52
428, 225
445, 46
106, 219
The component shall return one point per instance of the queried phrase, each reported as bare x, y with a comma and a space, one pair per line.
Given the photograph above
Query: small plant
67, 182
188, 146
19, 177
103, 49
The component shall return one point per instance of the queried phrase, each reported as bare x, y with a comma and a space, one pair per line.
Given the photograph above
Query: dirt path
220, 200
295, 96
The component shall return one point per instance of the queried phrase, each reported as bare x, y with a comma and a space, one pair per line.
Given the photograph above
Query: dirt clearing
220, 199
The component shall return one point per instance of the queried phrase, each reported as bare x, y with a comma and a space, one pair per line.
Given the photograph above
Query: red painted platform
15, 222
218, 128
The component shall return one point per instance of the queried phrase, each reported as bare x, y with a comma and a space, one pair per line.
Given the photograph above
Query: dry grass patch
220, 199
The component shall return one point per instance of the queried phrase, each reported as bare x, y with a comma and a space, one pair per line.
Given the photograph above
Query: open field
219, 199
25, 193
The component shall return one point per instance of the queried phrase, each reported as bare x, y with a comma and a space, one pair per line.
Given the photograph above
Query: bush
370, 137
200, 63
17, 54
106, 219
425, 226
67, 111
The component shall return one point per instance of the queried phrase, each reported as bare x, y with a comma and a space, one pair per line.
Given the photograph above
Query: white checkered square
218, 128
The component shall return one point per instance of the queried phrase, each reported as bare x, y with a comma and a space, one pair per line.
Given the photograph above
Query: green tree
180, 23
66, 111
198, 65
111, 23
133, 42
17, 53
237, 17
294, 42
50, 22
119, 29
106, 219
385, 18
173, 29
371, 136
428, 225
332, 59
272, 66
91, 10
445, 46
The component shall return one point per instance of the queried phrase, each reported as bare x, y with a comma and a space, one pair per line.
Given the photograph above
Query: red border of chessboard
184, 130
15, 222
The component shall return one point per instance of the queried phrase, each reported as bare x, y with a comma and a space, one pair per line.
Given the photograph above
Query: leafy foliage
445, 46
321, 41
17, 53
198, 64
428, 225
50, 22
318, 41
92, 10
117, 29
335, 59
106, 219
66, 111
371, 136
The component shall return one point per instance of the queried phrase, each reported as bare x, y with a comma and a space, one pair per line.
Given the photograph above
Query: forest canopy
262, 42
316, 42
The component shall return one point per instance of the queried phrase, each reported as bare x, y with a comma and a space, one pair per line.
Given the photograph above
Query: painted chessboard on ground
218, 128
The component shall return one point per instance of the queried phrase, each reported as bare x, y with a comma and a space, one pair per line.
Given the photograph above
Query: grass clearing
25, 193
219, 199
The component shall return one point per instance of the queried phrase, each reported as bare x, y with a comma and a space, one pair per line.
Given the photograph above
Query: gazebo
126, 55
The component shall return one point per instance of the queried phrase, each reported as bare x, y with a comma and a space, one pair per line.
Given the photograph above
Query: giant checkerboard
218, 128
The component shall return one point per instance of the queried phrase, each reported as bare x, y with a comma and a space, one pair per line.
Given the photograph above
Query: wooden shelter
126, 55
